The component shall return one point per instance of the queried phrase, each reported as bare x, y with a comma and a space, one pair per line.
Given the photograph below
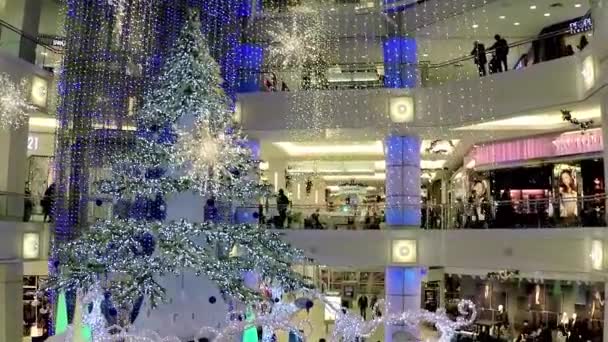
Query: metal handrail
457, 60
29, 37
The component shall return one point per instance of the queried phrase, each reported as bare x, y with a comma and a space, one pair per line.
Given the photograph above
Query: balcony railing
370, 75
20, 207
11, 39
571, 212
588, 211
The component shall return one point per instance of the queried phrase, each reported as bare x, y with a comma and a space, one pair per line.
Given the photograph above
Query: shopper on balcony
479, 57
501, 48
504, 211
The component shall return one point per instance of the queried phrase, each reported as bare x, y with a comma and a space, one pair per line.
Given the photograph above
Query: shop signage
583, 25
33, 143
54, 41
545, 146
578, 143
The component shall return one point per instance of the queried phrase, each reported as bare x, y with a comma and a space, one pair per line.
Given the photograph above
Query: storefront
548, 180
509, 303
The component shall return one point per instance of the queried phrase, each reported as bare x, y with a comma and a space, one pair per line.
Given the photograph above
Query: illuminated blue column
251, 57
403, 284
400, 62
402, 181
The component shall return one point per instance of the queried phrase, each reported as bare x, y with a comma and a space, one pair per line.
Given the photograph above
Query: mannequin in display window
597, 306
480, 205
568, 206
536, 305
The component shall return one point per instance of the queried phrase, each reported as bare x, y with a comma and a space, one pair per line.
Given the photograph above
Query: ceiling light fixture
502, 17
547, 14
359, 148
475, 26
516, 23
577, 5
533, 7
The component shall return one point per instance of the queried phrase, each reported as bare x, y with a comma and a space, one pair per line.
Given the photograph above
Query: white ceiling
489, 22
444, 29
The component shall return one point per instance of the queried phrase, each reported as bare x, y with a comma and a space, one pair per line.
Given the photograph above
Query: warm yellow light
597, 255
403, 252
588, 72
541, 121
370, 177
39, 92
432, 164
43, 122
31, 245
303, 149
401, 109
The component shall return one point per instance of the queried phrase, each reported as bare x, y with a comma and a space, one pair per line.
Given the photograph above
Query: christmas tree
185, 141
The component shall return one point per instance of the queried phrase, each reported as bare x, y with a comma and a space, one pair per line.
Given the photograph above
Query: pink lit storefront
552, 179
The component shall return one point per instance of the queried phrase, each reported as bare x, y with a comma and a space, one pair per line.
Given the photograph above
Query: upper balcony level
352, 66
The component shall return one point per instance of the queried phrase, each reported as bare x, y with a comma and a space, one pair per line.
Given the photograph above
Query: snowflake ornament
14, 106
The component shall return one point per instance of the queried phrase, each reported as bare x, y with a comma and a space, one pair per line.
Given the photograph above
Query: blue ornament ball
98, 202
144, 244
212, 299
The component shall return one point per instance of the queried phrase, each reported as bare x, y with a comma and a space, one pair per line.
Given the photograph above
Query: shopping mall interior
438, 166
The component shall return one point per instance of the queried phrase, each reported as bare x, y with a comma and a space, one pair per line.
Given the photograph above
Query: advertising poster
567, 182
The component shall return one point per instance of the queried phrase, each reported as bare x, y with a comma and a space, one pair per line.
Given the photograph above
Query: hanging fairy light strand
15, 109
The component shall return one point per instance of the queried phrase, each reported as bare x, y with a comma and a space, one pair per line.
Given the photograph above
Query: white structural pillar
11, 305
604, 110
605, 331
402, 284
13, 160
599, 15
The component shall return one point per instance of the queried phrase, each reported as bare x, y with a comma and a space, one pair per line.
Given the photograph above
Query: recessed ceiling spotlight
516, 23
547, 14
502, 17
577, 5
475, 26
533, 7
425, 55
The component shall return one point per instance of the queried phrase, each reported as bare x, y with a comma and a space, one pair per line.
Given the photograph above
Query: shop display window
36, 308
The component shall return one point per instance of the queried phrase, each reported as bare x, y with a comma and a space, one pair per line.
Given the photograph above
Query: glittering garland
347, 327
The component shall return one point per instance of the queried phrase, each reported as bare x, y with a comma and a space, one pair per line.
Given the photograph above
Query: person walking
479, 57
282, 205
362, 304
501, 48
